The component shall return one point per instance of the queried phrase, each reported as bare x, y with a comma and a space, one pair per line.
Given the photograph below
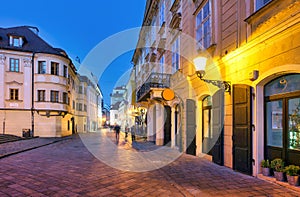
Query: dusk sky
78, 26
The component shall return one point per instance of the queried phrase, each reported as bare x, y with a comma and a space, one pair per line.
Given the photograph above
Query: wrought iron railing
155, 80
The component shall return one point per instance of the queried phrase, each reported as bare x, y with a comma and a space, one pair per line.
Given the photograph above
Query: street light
200, 63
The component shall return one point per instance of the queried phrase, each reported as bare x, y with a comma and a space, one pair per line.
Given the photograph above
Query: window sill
10, 100
17, 72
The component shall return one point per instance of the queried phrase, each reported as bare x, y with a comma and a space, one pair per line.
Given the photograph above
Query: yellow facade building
245, 107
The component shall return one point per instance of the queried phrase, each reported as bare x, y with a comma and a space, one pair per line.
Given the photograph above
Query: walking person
117, 131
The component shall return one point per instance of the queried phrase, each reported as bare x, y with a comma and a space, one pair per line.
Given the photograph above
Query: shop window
282, 118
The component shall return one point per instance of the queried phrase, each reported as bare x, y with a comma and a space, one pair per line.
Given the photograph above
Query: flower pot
266, 171
279, 176
293, 180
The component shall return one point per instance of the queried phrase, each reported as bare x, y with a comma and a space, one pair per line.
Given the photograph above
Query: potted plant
278, 167
292, 173
265, 166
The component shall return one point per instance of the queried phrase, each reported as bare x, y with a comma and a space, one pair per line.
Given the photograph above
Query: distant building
116, 97
38, 86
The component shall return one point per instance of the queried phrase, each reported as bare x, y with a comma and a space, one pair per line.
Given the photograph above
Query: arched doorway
282, 119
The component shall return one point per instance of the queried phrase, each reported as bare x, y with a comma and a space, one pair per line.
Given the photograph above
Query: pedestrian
132, 134
117, 131
126, 132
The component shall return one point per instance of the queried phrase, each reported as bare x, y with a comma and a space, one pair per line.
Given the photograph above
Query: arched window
282, 119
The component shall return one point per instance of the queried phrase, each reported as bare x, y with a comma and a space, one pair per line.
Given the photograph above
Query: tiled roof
32, 42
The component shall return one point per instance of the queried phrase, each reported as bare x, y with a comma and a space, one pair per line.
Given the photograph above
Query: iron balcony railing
155, 80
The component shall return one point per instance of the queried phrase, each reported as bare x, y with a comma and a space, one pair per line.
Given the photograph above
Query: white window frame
204, 33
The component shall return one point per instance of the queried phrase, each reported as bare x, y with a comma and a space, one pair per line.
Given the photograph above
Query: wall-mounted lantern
200, 63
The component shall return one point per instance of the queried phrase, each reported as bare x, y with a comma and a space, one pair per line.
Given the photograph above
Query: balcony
155, 80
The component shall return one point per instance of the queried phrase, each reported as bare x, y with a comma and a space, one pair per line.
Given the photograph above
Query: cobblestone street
67, 168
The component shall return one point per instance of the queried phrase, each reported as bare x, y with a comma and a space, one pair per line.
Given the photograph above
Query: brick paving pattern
67, 168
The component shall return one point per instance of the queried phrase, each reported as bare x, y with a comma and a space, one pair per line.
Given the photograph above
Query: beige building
246, 108
38, 85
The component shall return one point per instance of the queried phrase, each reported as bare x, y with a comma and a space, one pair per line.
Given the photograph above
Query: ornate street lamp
200, 63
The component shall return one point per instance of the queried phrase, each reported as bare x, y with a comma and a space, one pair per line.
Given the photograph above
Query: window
282, 118
14, 94
42, 67
261, 3
65, 71
162, 62
65, 98
80, 90
203, 26
54, 96
162, 13
175, 56
79, 107
41, 95
15, 41
54, 68
85, 108
14, 65
73, 105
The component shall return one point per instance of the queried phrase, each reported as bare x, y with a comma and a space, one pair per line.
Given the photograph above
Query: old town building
243, 106
38, 86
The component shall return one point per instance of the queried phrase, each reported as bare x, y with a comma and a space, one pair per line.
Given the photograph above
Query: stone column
173, 125
2, 78
27, 82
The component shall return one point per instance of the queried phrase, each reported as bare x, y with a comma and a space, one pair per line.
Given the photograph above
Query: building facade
38, 85
246, 108
117, 105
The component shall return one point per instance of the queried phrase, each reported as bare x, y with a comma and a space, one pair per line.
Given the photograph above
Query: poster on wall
276, 120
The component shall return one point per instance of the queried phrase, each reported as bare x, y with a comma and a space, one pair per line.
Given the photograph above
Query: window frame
65, 71
204, 40
54, 96
14, 65
42, 68
14, 94
65, 97
54, 68
41, 95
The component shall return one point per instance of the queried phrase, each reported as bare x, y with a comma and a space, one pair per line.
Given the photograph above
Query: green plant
292, 170
277, 165
265, 163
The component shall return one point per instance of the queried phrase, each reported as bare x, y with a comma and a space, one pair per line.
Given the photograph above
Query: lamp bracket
225, 85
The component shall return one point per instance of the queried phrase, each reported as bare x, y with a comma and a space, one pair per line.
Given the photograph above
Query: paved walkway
67, 168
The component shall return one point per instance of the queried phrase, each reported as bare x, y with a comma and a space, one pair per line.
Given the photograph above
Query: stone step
4, 138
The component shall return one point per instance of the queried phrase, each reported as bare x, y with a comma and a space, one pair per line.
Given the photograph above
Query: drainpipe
32, 94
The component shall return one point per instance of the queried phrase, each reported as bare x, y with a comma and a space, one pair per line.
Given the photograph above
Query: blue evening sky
77, 26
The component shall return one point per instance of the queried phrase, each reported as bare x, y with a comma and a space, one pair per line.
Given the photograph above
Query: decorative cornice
14, 82
27, 62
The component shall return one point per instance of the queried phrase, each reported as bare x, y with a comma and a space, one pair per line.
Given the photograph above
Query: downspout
32, 94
